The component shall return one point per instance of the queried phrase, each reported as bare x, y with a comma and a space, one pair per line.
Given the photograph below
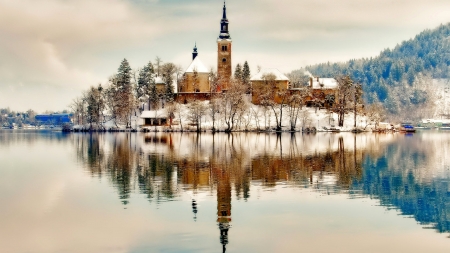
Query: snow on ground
317, 118
266, 120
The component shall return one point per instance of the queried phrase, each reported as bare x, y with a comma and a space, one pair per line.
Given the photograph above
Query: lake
244, 192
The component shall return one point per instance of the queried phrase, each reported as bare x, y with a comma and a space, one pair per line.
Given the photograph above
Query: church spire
224, 33
194, 53
224, 16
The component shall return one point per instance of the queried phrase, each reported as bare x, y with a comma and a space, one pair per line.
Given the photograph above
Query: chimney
311, 82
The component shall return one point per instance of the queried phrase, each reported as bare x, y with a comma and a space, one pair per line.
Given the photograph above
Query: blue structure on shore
54, 119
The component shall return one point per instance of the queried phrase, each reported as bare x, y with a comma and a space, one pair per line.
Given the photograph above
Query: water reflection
404, 173
412, 175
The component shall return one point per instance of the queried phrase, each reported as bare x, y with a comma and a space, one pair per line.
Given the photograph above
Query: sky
53, 50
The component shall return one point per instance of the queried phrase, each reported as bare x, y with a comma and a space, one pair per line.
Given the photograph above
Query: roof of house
159, 80
154, 114
278, 75
198, 66
324, 83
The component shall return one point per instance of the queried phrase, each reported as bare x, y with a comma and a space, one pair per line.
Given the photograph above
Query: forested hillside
402, 78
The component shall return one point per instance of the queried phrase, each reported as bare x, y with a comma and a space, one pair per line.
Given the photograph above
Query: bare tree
256, 115
295, 104
158, 65
268, 92
214, 109
305, 119
357, 100
178, 110
233, 103
375, 113
79, 110
197, 110
171, 109
344, 98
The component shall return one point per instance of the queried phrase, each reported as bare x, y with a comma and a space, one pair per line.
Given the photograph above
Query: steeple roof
224, 33
224, 16
194, 53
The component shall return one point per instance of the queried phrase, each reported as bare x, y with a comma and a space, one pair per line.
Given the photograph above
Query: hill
406, 77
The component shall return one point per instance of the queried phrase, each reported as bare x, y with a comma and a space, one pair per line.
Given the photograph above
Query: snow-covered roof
324, 83
198, 66
159, 80
154, 114
278, 75
144, 97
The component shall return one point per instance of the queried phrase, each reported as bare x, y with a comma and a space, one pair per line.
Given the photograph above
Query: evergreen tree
426, 54
246, 76
123, 96
142, 84
238, 72
168, 71
95, 105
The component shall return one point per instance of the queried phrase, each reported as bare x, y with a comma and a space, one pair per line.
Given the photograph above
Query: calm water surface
134, 192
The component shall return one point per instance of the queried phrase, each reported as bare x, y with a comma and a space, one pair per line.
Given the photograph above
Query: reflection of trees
317, 169
124, 164
397, 174
119, 164
396, 179
155, 177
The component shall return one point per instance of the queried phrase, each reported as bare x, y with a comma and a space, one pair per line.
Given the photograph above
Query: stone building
269, 84
322, 91
224, 52
195, 82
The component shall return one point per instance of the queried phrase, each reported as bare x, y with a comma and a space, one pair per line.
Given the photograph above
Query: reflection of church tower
223, 206
224, 52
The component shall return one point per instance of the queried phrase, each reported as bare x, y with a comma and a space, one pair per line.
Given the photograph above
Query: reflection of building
223, 204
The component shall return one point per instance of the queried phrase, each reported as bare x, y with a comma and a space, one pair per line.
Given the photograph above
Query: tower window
224, 60
224, 48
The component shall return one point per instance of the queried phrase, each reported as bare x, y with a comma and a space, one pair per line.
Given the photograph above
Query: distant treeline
401, 77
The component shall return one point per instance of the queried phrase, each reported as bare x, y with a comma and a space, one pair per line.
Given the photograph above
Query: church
196, 82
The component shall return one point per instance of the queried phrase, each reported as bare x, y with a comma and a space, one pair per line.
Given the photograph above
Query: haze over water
158, 192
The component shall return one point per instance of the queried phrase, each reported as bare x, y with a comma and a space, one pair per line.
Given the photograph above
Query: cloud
72, 44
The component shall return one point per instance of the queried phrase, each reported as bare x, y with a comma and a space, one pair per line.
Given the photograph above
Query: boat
407, 128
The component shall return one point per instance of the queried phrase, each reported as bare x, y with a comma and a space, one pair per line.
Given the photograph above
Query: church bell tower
224, 52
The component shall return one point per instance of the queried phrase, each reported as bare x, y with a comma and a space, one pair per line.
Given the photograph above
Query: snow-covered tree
343, 103
197, 109
232, 103
168, 70
95, 106
238, 72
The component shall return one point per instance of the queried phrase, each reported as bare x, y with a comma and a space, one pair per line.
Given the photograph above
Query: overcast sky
52, 50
